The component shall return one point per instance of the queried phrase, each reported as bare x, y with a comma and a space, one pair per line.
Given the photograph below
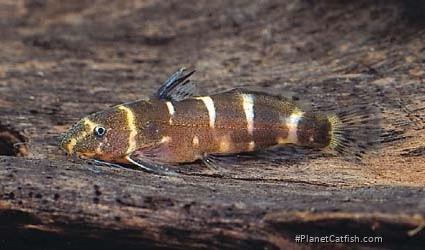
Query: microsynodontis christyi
174, 127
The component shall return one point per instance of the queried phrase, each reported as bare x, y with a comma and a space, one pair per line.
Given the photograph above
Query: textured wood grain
60, 61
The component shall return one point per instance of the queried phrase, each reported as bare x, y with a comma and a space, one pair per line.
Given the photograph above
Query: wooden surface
60, 61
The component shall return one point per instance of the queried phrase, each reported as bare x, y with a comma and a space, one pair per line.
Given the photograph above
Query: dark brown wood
60, 61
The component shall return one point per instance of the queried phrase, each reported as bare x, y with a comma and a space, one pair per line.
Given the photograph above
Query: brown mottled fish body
226, 123
177, 127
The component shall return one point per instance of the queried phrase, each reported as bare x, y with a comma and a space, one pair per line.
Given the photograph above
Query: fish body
176, 127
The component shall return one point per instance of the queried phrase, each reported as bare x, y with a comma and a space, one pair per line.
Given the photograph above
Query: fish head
104, 135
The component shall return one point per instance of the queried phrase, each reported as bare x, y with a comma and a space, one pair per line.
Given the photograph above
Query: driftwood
60, 61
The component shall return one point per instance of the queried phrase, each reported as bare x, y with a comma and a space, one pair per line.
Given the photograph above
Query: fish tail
355, 132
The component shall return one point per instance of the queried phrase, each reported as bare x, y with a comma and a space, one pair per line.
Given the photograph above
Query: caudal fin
355, 131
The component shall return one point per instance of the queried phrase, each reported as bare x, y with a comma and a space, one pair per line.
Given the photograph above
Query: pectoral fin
152, 159
149, 166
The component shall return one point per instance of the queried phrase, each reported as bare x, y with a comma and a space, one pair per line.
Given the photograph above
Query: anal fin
215, 165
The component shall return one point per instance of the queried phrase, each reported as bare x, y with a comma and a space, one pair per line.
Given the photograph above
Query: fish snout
66, 143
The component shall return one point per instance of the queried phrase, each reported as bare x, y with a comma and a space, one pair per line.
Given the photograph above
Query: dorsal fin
177, 87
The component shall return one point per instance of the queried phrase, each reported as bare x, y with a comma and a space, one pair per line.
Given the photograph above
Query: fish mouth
86, 155
80, 156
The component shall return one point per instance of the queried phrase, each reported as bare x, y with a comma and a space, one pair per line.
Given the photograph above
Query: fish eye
99, 131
